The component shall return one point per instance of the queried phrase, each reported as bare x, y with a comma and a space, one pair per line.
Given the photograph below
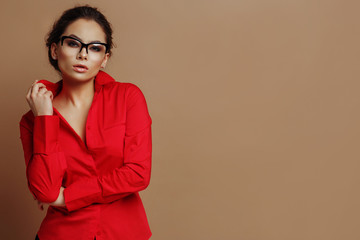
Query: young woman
87, 138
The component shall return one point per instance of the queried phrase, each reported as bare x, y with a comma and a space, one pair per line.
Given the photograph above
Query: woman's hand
40, 99
60, 201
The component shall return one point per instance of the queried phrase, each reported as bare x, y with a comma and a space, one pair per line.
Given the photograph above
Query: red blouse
102, 174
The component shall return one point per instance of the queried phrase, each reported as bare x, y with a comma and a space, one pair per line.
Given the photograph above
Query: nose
83, 53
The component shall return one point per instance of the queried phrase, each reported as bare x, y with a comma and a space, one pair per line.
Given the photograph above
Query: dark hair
71, 15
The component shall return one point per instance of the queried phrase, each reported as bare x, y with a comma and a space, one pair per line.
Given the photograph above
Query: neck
77, 93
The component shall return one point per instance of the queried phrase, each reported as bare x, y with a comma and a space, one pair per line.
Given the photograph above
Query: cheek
94, 65
97, 62
63, 59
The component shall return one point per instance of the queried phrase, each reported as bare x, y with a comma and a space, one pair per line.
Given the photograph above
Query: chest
101, 147
93, 137
75, 117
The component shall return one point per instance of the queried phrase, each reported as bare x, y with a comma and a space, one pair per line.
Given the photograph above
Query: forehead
87, 30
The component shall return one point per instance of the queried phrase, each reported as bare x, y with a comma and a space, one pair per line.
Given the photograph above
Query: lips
80, 68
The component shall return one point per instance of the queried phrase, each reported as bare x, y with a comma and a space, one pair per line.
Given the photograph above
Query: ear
106, 58
53, 49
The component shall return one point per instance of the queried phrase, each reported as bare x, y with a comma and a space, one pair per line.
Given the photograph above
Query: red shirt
101, 175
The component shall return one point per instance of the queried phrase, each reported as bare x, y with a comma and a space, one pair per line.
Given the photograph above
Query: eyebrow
73, 35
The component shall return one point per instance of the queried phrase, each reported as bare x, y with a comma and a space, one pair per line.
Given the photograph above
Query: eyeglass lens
75, 46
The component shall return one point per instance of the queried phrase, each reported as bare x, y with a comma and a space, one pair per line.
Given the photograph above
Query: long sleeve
133, 175
45, 163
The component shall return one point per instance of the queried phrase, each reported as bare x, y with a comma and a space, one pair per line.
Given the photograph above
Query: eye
96, 47
72, 43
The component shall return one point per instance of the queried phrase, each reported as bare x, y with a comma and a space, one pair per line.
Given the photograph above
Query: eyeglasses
74, 46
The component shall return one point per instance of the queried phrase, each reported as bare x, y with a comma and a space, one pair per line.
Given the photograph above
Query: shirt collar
101, 79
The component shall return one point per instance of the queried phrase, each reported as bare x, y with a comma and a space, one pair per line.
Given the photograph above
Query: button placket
88, 129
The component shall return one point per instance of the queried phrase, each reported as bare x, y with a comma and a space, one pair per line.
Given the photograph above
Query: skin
75, 98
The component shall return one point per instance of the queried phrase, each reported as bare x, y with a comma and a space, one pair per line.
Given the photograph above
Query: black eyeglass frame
86, 45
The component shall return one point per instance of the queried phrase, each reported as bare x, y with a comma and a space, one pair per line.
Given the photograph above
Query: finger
32, 86
49, 94
34, 82
36, 87
28, 93
42, 90
40, 85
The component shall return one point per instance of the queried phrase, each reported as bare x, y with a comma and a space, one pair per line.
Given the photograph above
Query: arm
60, 201
45, 163
134, 175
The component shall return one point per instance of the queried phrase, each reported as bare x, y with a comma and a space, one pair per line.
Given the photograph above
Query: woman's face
75, 65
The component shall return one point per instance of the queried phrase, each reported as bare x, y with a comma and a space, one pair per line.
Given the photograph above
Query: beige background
255, 108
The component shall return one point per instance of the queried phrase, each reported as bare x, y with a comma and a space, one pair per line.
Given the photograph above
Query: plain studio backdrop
255, 108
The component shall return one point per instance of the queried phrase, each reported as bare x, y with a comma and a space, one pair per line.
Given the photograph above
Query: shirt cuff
46, 133
82, 193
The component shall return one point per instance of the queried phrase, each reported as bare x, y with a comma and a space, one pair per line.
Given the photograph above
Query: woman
87, 138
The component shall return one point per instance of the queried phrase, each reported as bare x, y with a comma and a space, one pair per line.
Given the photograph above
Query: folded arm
45, 162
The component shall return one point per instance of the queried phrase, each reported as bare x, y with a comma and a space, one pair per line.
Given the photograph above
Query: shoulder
122, 86
111, 86
129, 91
